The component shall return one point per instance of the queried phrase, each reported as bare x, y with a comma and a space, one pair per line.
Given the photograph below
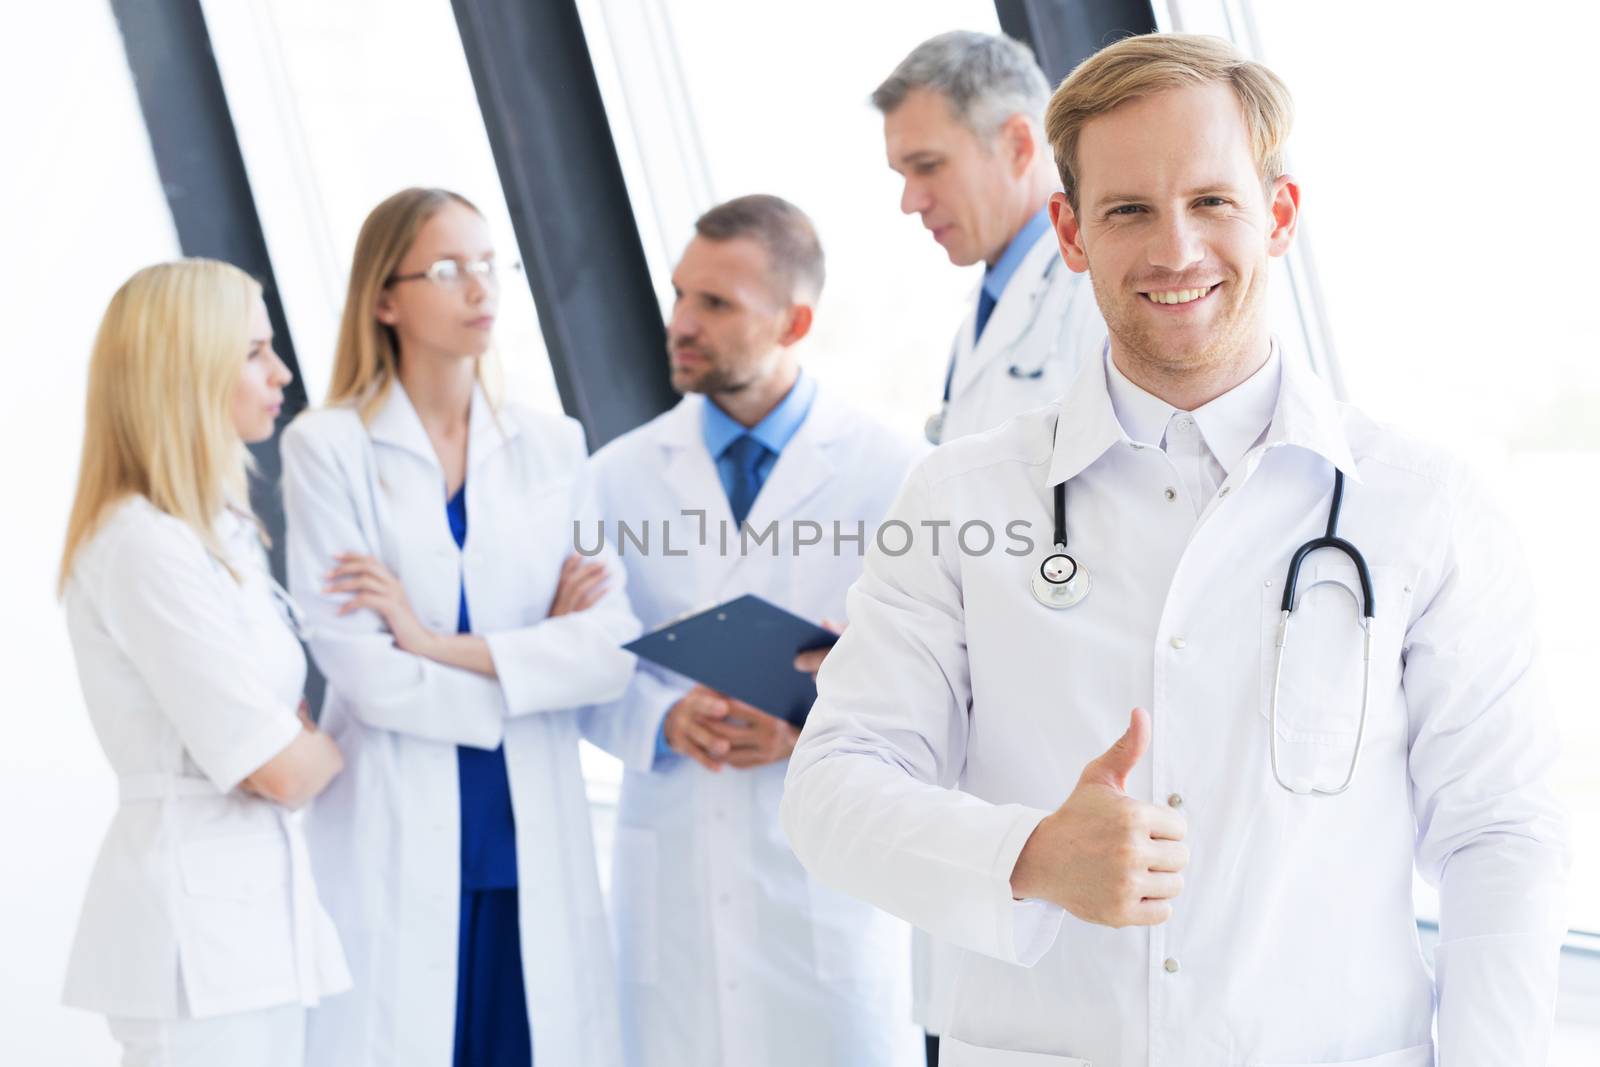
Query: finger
705, 739
1164, 824
363, 600
1161, 885
570, 564
833, 627
749, 712
708, 704
591, 598
810, 662
1117, 763
350, 567
737, 734
362, 584
1149, 913
1167, 856
700, 757
745, 758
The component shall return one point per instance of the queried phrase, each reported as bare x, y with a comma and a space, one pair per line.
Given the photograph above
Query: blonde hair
158, 419
1151, 63
366, 362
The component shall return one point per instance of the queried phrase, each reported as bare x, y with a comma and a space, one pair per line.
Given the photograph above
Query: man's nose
1176, 245
913, 198
682, 325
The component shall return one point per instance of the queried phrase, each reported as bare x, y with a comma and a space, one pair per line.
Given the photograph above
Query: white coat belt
157, 786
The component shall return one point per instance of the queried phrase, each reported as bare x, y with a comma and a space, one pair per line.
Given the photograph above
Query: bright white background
1445, 164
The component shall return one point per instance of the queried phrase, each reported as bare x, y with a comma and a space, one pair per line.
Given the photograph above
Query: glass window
1435, 151
83, 210
337, 106
705, 107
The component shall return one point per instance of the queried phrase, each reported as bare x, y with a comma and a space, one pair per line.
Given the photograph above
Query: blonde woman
430, 538
201, 937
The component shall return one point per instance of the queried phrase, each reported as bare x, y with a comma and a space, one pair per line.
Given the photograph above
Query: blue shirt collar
775, 431
995, 278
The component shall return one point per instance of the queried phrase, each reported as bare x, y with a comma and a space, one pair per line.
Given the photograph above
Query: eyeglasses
453, 273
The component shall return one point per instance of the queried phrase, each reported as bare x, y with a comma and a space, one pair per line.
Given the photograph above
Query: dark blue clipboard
744, 649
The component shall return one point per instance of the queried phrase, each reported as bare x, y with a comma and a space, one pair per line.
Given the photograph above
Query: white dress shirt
1204, 444
957, 712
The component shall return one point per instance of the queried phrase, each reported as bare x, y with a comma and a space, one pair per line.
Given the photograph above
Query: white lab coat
1046, 321
1294, 940
729, 954
201, 904
386, 835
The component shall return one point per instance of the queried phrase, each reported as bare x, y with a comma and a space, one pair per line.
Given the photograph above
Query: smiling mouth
1179, 296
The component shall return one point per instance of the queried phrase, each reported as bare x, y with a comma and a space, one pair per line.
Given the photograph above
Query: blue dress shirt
719, 430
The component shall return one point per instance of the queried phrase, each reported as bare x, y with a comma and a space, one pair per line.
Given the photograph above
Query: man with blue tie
761, 480
963, 125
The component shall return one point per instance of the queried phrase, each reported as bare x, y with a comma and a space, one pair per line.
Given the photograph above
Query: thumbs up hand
1104, 856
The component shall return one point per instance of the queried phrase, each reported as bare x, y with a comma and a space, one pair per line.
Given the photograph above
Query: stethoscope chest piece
1060, 581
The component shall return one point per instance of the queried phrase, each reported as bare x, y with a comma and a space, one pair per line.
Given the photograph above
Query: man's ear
1069, 235
801, 317
1018, 141
1283, 201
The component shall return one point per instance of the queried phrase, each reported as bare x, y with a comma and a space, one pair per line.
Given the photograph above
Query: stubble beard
1221, 352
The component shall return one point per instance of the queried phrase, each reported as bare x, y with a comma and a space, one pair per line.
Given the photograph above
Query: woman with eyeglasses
201, 937
430, 539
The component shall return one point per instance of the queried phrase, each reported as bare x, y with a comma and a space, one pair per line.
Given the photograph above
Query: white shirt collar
1231, 424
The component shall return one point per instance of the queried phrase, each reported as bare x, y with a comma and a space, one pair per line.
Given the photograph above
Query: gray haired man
963, 125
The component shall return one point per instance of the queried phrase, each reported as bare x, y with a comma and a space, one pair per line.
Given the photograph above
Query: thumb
1113, 768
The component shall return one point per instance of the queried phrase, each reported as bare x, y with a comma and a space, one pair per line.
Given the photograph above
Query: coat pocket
1416, 1056
954, 1053
1319, 674
635, 904
235, 922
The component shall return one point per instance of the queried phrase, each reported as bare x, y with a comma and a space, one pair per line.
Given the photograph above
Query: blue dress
491, 1008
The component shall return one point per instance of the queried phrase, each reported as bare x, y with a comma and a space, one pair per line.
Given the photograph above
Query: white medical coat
385, 837
957, 712
201, 903
1046, 320
729, 954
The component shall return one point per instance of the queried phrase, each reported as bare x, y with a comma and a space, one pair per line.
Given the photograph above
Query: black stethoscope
1061, 581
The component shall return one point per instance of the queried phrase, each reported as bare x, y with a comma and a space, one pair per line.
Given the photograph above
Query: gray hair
987, 78
783, 230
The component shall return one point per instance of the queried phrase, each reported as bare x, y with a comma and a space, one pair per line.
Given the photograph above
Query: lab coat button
1171, 493
1178, 641
1174, 801
1171, 965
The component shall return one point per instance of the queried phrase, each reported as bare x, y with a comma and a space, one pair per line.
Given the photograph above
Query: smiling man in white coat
729, 953
1224, 882
963, 125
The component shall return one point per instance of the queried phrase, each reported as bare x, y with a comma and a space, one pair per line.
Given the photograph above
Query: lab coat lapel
1011, 316
1307, 415
690, 476
804, 465
488, 431
397, 425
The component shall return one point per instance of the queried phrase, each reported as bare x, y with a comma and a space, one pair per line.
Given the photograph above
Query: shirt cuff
1026, 928
663, 753
1034, 927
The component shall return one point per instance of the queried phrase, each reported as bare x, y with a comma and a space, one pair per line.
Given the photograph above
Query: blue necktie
745, 454
985, 309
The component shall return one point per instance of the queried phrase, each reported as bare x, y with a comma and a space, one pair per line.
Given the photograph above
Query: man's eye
1125, 209
926, 169
1213, 201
